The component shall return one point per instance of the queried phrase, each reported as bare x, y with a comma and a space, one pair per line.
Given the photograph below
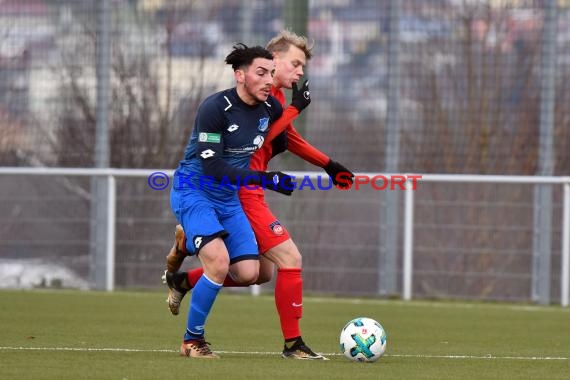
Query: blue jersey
226, 133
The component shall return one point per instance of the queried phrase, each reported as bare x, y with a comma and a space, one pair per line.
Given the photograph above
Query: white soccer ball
363, 340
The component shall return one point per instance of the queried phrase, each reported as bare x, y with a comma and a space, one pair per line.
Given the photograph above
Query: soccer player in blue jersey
276, 247
230, 126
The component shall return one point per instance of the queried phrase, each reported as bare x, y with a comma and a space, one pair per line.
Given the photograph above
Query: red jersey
295, 143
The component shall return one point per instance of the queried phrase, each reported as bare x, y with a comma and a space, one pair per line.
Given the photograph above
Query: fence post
565, 258
99, 185
407, 267
111, 215
388, 260
542, 247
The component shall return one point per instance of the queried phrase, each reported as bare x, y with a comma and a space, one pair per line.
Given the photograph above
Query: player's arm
280, 125
210, 149
300, 99
297, 145
210, 126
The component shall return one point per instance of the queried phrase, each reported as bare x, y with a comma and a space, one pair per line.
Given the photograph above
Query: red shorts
269, 232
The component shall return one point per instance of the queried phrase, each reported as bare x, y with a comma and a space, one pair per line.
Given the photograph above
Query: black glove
277, 181
337, 171
301, 97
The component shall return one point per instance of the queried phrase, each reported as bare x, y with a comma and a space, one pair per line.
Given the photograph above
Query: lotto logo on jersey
207, 153
277, 228
263, 124
209, 137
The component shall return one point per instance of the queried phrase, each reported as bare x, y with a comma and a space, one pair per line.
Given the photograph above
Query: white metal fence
314, 265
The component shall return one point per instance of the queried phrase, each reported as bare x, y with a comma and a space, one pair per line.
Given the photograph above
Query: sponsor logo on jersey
258, 141
207, 153
209, 137
277, 228
233, 128
246, 149
263, 124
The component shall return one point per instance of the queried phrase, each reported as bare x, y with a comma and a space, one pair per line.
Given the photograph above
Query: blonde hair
281, 42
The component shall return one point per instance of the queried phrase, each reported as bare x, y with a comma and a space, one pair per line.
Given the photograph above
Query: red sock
289, 300
195, 274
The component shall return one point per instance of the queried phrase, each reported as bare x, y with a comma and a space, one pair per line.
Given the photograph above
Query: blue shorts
204, 220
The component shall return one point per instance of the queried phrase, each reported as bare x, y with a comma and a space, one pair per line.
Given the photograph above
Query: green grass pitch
131, 335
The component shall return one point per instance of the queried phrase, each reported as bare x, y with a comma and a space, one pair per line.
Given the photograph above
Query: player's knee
285, 255
217, 273
221, 262
247, 277
245, 272
264, 277
217, 267
292, 259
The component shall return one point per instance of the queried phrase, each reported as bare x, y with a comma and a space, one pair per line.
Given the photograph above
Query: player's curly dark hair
242, 56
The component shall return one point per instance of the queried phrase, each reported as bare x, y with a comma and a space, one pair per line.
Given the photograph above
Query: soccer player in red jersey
276, 247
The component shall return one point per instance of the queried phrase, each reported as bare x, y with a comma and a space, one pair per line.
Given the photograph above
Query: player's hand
340, 175
277, 181
301, 97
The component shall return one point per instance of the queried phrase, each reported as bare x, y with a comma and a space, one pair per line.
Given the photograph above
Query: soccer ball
363, 340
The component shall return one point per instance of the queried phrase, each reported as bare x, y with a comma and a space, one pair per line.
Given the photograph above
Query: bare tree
151, 118
149, 123
479, 99
480, 108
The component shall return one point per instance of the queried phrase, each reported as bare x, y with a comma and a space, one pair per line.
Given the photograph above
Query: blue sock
203, 296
